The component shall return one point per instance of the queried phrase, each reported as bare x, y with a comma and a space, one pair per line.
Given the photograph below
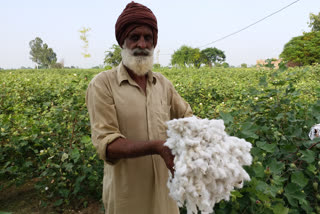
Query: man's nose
142, 43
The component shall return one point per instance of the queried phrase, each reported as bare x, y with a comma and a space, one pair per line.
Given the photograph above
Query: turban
133, 16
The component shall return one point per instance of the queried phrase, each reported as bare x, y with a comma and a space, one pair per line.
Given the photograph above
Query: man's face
137, 51
141, 38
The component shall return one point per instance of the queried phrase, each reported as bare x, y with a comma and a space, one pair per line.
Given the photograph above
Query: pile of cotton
208, 162
314, 132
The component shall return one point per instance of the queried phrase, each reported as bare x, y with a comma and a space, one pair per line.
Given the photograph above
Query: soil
24, 200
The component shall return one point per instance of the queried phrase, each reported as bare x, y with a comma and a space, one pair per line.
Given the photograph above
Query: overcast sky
180, 22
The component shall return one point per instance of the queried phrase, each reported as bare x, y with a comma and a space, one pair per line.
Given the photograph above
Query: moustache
141, 52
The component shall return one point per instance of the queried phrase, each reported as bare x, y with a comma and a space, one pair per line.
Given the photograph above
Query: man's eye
148, 38
134, 38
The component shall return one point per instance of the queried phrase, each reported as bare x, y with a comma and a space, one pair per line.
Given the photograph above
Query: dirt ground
24, 200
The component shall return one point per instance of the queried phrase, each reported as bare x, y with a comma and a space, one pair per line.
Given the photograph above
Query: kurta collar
123, 75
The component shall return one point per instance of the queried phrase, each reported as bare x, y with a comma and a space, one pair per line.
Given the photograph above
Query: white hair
140, 65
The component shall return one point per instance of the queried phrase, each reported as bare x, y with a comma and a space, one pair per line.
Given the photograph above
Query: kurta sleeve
179, 107
103, 115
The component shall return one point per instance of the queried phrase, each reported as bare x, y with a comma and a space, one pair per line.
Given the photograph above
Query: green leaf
276, 166
255, 151
308, 156
289, 148
58, 202
64, 192
280, 209
69, 167
258, 170
311, 168
278, 180
306, 206
86, 139
237, 194
294, 194
75, 155
266, 189
263, 81
248, 130
298, 178
267, 147
226, 117
28, 164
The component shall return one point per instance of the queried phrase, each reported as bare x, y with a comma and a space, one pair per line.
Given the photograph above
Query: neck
140, 80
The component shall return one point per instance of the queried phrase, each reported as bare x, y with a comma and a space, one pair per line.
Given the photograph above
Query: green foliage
243, 65
113, 56
274, 110
58, 65
303, 50
212, 55
156, 66
193, 57
45, 133
186, 56
225, 65
41, 54
314, 22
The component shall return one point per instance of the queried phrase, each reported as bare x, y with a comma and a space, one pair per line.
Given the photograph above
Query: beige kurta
118, 107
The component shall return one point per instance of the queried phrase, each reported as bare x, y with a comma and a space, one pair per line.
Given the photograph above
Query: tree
156, 66
186, 56
302, 50
41, 53
212, 55
225, 65
58, 65
113, 57
314, 22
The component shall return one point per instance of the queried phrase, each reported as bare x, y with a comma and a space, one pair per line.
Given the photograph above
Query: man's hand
167, 156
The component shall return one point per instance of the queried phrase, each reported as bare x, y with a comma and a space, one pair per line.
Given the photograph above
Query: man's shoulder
104, 76
161, 78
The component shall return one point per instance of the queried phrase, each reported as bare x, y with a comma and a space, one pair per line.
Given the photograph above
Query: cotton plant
208, 163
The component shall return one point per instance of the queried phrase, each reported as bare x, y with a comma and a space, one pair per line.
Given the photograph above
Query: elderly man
128, 107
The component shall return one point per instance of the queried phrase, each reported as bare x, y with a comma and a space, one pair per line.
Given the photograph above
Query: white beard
140, 65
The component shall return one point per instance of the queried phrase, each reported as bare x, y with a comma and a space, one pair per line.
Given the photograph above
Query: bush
45, 132
243, 65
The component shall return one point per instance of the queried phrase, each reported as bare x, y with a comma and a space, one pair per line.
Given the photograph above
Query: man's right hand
167, 156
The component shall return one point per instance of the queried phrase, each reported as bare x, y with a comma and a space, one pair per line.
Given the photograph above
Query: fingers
172, 170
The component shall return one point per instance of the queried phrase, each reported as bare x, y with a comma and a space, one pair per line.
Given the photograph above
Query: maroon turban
133, 16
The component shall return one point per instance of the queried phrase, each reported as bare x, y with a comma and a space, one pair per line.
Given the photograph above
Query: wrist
158, 147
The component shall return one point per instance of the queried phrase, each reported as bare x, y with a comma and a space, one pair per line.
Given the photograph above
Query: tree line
299, 51
184, 56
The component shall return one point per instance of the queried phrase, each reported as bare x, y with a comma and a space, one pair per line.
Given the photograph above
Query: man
128, 107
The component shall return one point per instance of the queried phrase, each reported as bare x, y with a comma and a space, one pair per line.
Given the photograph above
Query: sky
180, 22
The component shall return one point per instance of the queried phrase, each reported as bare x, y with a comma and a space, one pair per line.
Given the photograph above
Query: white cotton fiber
208, 162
